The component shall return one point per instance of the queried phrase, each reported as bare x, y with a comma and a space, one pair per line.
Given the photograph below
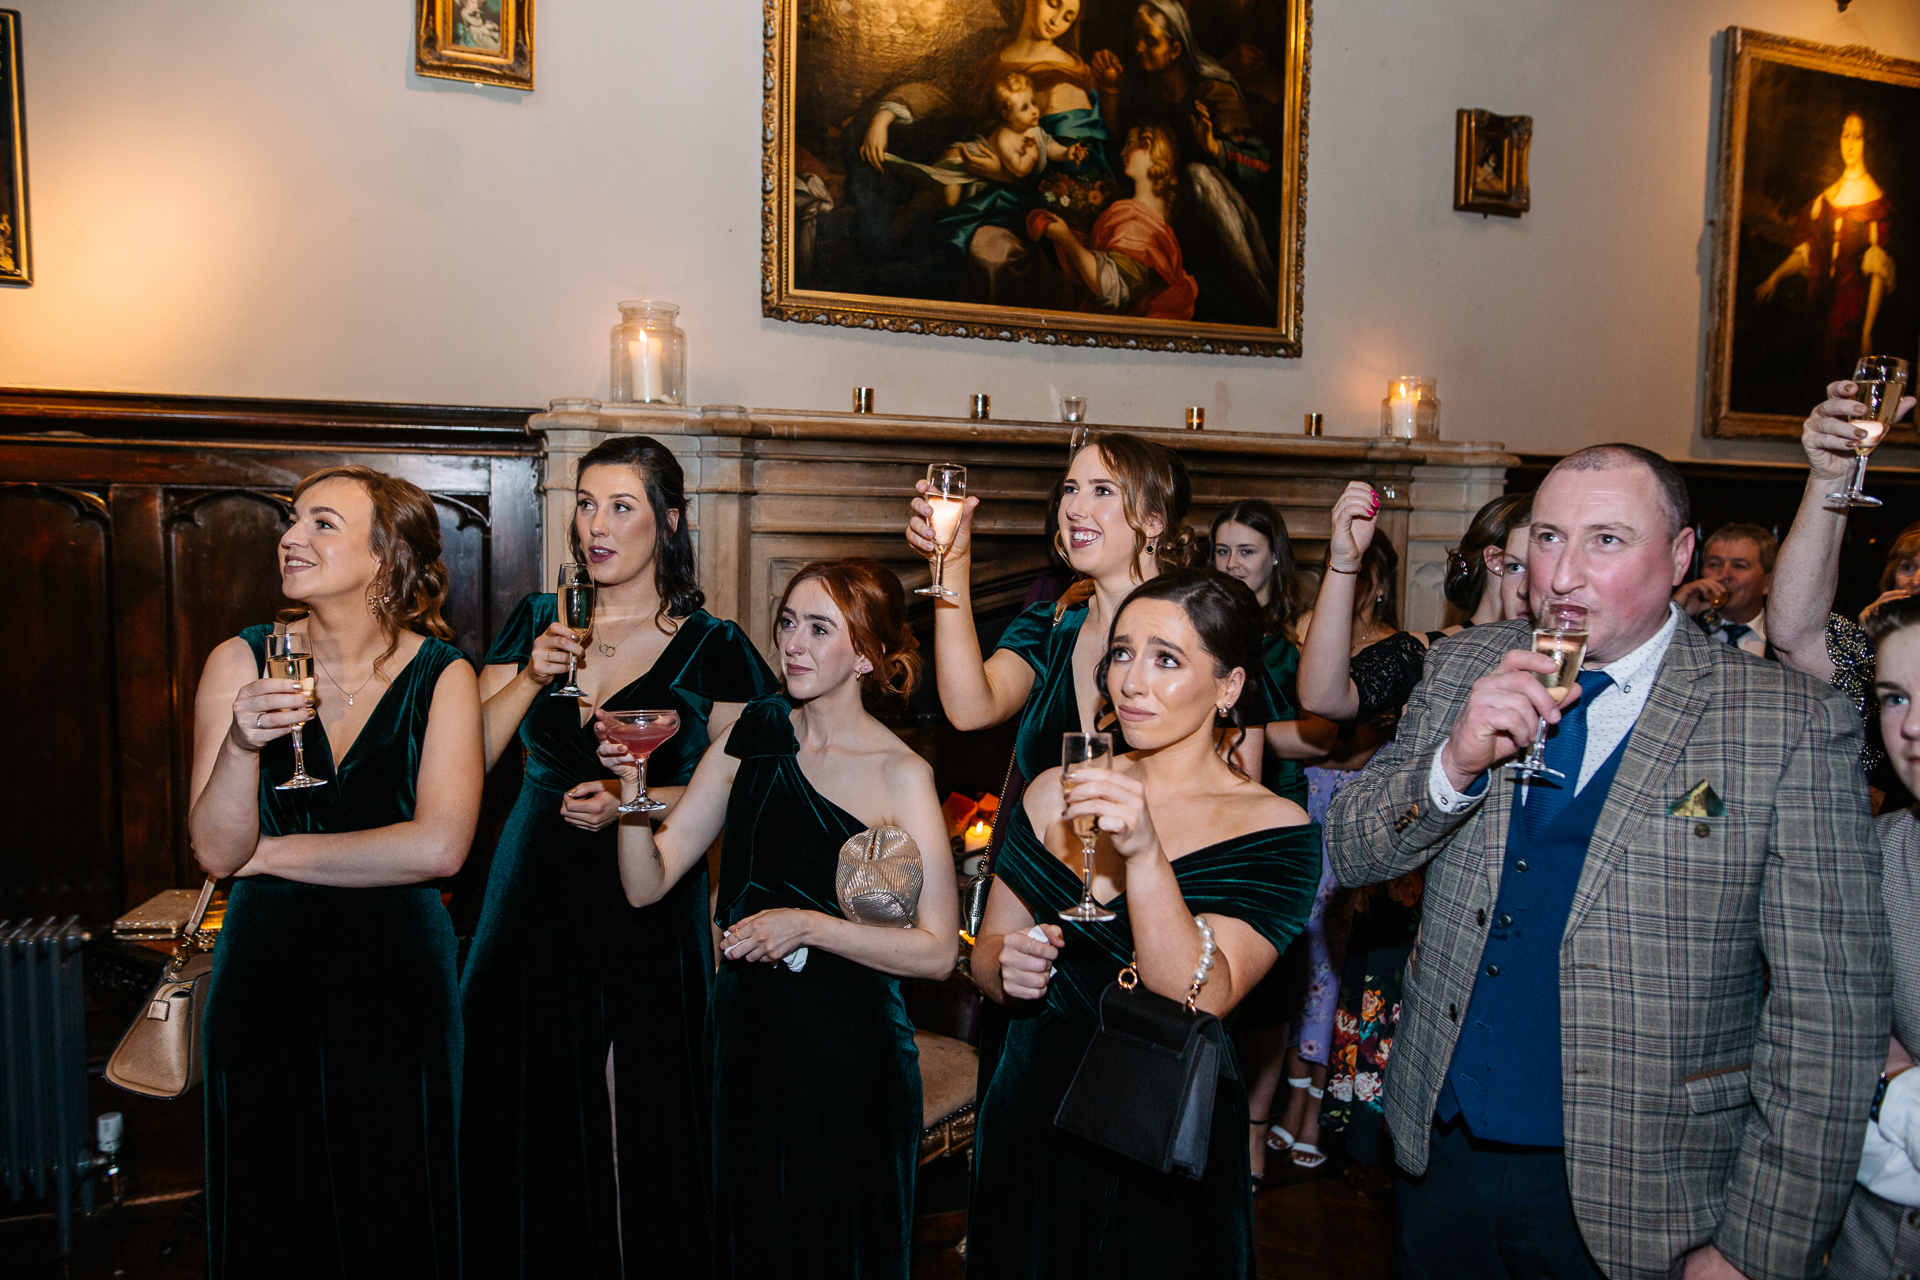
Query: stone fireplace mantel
770, 489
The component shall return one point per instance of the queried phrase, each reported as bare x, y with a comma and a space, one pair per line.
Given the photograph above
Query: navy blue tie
1566, 749
1735, 632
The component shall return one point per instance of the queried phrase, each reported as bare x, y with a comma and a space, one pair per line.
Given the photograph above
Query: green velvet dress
1283, 777
1047, 1206
816, 1081
331, 1033
561, 968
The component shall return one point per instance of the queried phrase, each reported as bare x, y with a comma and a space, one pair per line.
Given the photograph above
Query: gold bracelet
1337, 569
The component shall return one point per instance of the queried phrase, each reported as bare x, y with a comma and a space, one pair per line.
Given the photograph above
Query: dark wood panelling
146, 528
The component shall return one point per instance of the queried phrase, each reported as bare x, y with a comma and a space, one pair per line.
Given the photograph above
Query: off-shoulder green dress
1047, 1206
816, 1081
561, 968
331, 1032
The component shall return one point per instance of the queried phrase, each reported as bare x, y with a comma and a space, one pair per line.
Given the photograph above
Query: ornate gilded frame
1744, 48
781, 300
1506, 191
16, 246
436, 54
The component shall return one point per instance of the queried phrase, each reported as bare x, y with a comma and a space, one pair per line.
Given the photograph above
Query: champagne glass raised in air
1560, 633
641, 733
1085, 751
286, 662
1879, 383
576, 614
947, 495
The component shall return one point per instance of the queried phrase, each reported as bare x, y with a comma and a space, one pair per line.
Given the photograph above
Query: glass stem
939, 568
1086, 878
1859, 484
299, 754
640, 791
571, 658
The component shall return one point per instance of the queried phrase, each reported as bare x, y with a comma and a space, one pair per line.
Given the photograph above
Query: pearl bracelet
1207, 951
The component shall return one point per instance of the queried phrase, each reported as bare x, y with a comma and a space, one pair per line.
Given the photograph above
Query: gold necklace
342, 688
608, 650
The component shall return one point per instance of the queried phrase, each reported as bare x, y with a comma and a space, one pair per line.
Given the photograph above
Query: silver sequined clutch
879, 878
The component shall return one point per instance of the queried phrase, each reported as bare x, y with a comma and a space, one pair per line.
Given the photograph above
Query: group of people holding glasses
597, 1092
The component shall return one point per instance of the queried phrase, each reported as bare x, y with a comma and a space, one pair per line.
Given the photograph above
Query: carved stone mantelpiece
770, 489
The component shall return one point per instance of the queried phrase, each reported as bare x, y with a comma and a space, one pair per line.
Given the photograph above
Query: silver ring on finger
257, 718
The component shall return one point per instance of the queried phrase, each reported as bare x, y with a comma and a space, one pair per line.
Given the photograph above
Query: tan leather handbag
159, 1056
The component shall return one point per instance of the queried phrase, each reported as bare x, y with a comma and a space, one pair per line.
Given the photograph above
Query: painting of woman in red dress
1130, 265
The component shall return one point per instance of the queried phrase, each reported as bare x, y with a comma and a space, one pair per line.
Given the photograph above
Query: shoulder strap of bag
190, 933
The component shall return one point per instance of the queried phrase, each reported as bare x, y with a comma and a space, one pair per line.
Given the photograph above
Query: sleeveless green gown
816, 1081
560, 968
1047, 1206
331, 1033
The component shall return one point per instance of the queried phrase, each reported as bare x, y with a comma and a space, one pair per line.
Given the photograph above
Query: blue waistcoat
1505, 1075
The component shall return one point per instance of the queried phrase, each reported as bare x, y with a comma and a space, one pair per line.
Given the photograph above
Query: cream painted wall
239, 198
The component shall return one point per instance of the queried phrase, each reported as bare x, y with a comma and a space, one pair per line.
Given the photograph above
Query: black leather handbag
1145, 1088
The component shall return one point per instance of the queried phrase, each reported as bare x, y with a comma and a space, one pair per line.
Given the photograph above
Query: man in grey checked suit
1643, 1021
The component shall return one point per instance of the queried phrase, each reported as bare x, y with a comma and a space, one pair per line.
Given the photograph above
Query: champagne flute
1561, 634
641, 733
1879, 383
576, 612
285, 662
947, 494
1085, 751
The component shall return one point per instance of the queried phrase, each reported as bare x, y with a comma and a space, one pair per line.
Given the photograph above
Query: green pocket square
1701, 802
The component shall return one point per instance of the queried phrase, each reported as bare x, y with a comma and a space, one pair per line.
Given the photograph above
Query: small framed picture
1490, 163
484, 41
16, 261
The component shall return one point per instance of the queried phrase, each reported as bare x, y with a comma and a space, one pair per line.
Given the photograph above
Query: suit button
1453, 1013
1481, 916
1913, 1217
1702, 830
1493, 971
1520, 865
1506, 921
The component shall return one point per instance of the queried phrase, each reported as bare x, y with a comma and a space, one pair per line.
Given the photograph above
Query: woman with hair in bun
331, 1033
816, 1085
1210, 877
1494, 549
561, 970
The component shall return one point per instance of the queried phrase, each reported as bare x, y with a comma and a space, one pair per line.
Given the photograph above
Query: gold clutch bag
879, 878
159, 1056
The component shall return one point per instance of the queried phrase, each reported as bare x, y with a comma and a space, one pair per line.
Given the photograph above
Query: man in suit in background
1737, 565
1642, 1024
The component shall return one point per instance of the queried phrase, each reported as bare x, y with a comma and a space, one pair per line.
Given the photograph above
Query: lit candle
648, 383
978, 836
1400, 410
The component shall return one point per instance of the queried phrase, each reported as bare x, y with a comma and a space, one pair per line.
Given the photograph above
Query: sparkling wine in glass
1879, 382
1561, 634
1085, 751
576, 613
947, 495
641, 733
284, 662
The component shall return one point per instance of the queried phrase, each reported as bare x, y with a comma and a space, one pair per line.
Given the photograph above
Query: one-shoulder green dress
331, 1033
1047, 1206
816, 1081
561, 968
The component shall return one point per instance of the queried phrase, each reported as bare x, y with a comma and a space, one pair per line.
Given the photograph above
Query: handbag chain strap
190, 939
1130, 978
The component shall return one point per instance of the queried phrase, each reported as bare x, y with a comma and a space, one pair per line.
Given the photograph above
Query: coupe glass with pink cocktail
640, 732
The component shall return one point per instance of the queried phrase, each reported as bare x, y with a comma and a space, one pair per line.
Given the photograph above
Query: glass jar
1411, 410
649, 355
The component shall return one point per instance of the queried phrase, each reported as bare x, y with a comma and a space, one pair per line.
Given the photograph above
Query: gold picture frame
1800, 205
481, 41
1231, 220
16, 246
1490, 163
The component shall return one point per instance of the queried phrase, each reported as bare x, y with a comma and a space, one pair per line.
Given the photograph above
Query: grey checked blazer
1724, 982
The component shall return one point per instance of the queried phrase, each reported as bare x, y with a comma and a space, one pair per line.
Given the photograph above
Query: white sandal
1278, 1138
1304, 1154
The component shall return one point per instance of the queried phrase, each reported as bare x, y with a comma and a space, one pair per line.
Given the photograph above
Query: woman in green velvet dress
1186, 835
331, 1033
561, 969
816, 1085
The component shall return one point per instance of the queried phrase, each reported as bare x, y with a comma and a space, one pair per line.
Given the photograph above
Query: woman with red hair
816, 1085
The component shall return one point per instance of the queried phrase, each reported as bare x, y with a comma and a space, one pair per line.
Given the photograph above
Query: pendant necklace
342, 688
608, 650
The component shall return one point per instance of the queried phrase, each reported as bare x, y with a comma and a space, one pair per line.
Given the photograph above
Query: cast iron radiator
45, 1149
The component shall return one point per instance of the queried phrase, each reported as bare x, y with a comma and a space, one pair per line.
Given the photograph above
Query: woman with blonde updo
331, 1033
816, 1084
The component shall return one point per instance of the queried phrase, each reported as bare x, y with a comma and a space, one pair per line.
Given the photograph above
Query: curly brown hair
411, 587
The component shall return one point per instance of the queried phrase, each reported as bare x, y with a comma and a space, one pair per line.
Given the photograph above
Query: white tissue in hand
797, 961
1040, 935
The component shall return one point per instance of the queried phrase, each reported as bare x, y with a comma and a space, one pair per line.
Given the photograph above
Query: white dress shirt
1754, 642
1893, 1143
1610, 716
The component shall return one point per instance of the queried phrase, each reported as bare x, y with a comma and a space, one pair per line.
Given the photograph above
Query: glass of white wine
947, 495
1879, 382
286, 662
1085, 751
1560, 633
576, 614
